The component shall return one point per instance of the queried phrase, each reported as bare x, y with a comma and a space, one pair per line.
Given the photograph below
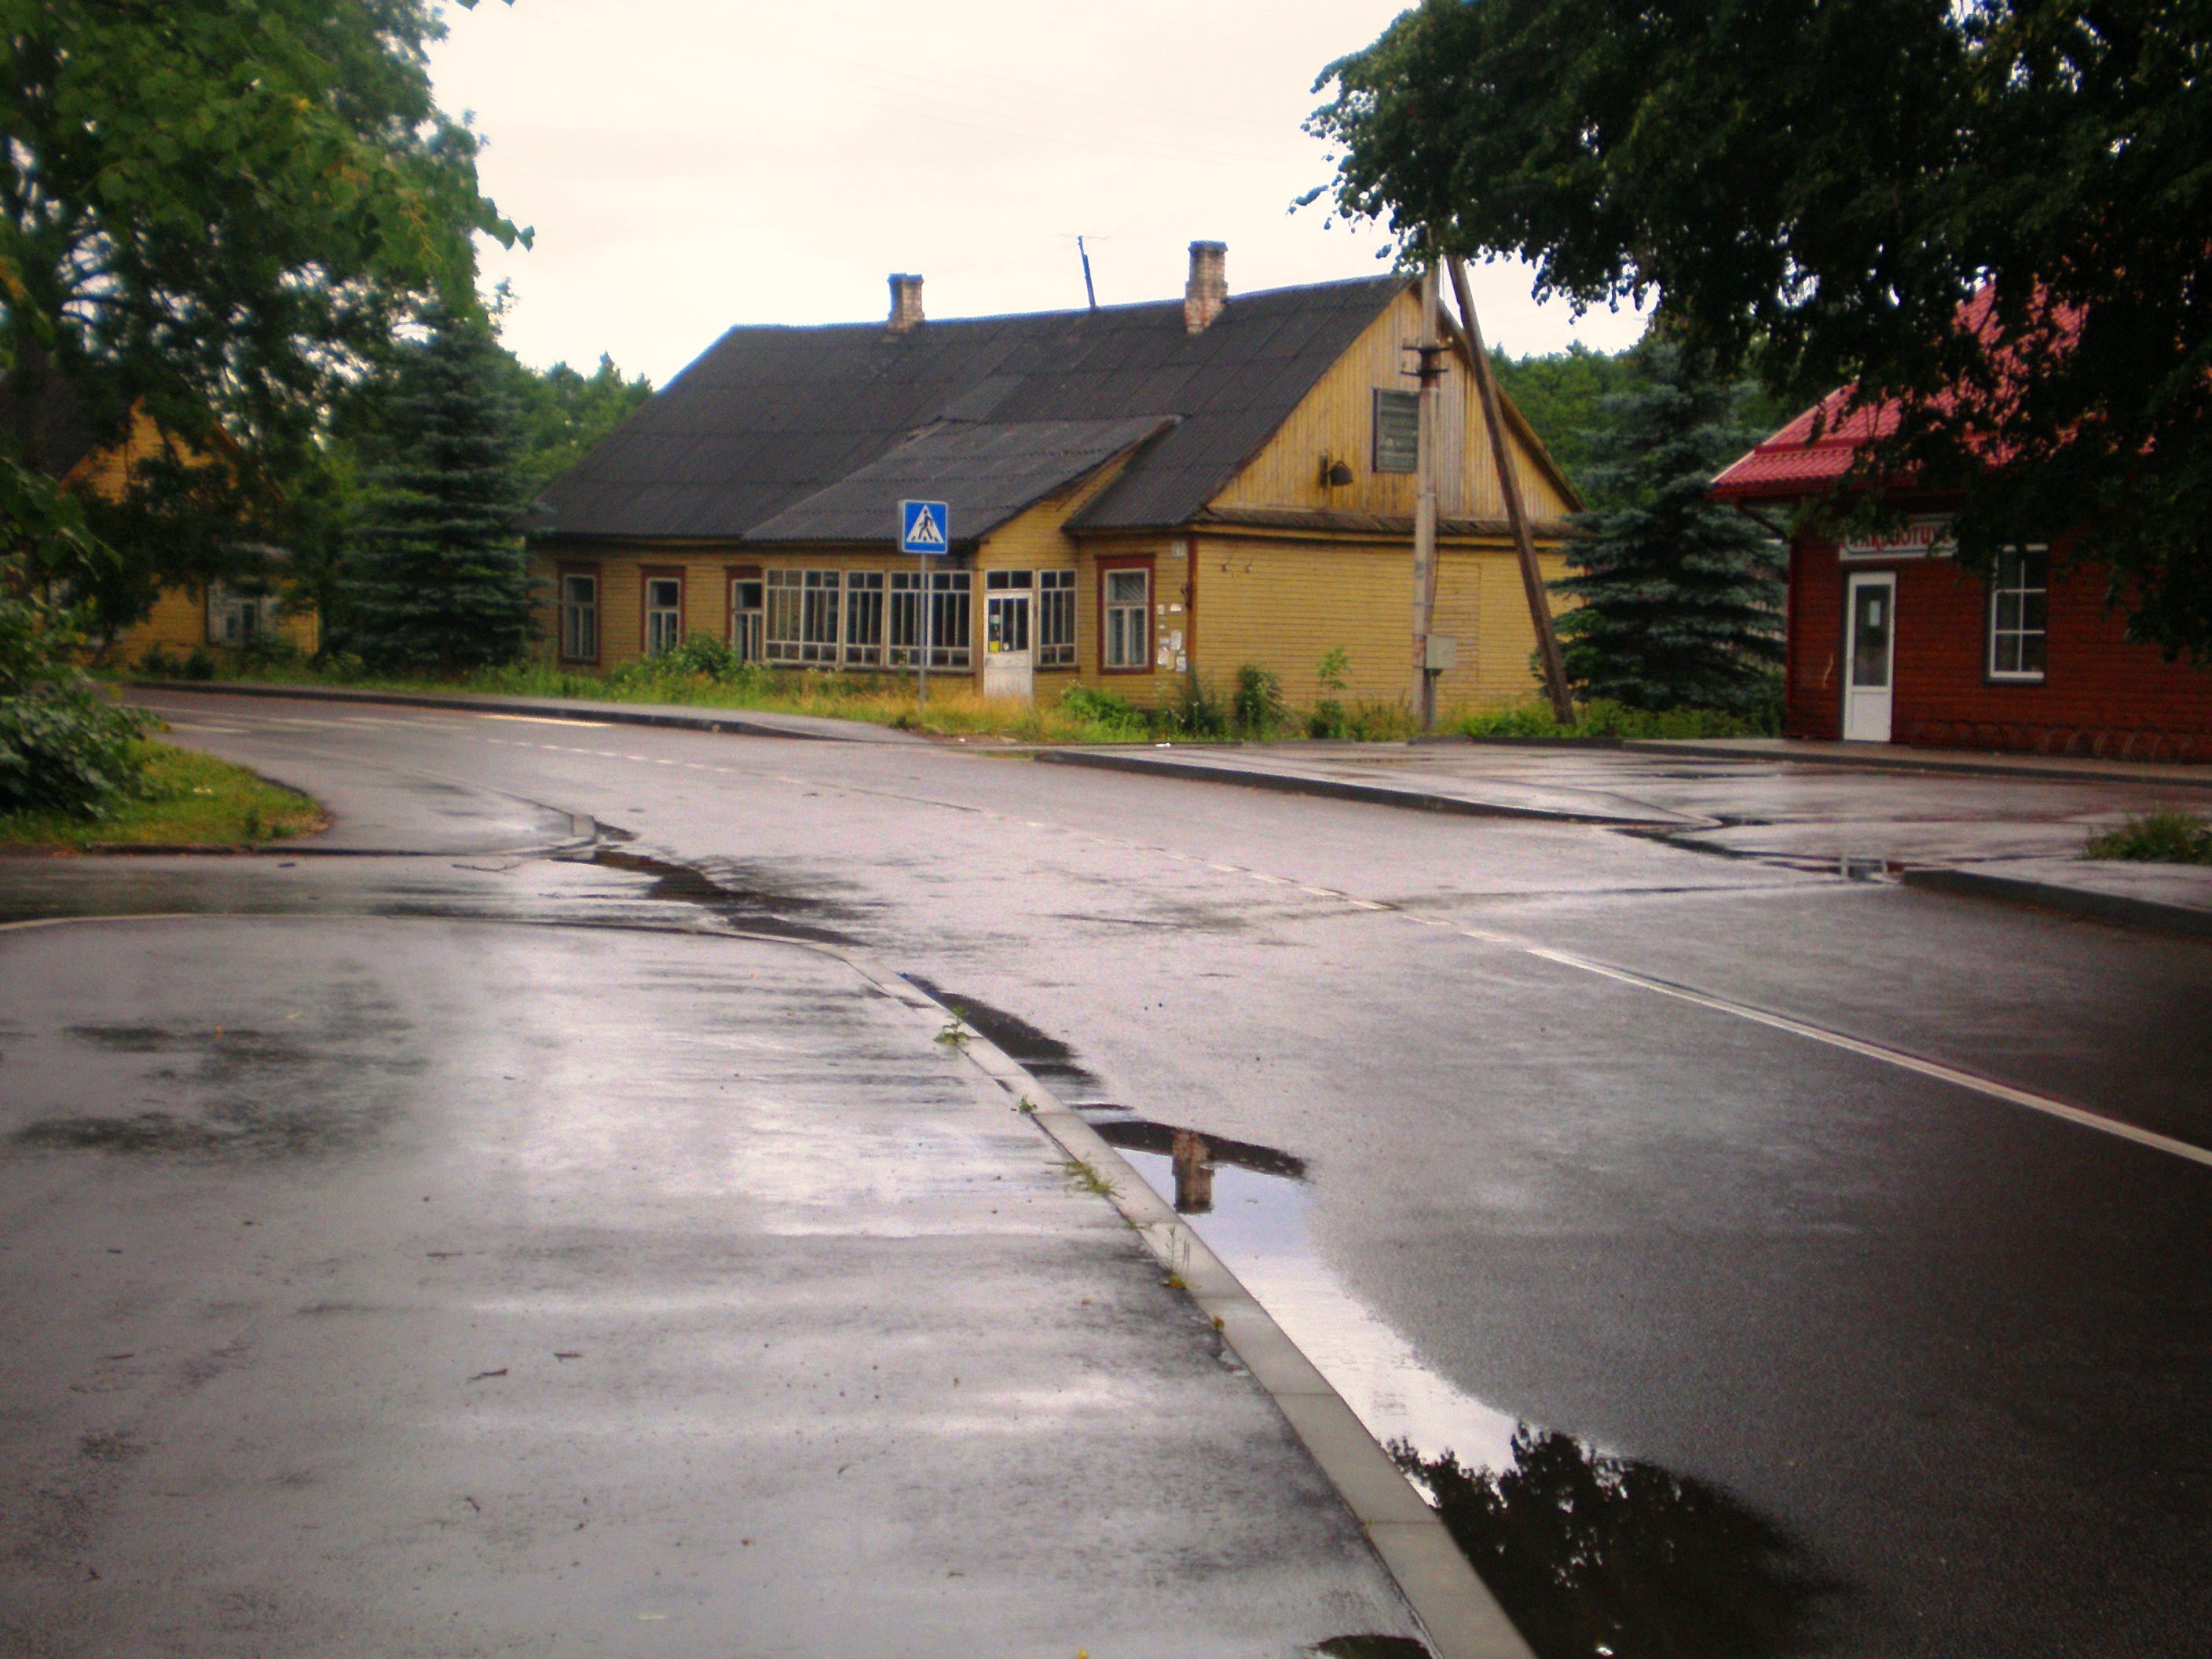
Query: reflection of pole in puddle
1193, 1174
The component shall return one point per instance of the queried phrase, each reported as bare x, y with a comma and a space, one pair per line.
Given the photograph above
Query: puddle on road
756, 909
1592, 1555
1252, 1205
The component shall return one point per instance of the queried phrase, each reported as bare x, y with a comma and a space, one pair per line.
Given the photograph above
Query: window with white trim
802, 616
1055, 619
580, 616
2020, 595
1128, 602
235, 619
864, 618
746, 603
664, 613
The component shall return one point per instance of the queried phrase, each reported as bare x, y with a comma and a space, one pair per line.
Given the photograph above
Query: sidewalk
2173, 898
1896, 757
743, 722
1424, 777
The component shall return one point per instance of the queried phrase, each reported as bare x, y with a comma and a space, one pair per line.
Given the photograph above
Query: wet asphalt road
1943, 1357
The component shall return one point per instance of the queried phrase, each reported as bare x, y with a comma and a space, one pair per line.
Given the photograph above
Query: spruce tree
439, 578
1680, 595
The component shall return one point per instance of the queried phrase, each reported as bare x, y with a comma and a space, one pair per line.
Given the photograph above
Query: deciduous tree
1826, 183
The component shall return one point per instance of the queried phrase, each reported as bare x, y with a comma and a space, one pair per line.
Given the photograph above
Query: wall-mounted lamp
1334, 474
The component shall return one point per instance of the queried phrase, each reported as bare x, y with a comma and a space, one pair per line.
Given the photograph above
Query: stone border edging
1460, 1617
734, 723
1371, 794
2116, 907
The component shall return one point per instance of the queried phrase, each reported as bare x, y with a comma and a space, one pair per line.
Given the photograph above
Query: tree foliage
63, 746
1822, 184
219, 211
561, 413
1564, 394
439, 578
1680, 595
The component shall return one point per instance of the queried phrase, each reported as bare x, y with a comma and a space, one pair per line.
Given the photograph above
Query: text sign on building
1927, 537
925, 527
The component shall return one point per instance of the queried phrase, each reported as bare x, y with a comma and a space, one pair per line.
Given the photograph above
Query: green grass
1603, 719
185, 800
2157, 838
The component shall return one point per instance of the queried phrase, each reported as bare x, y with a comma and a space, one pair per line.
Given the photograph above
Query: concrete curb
736, 724
1460, 1617
1930, 761
2116, 907
1371, 794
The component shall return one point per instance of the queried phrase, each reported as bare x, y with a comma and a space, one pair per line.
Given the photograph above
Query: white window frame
1055, 619
747, 621
236, 619
664, 620
2018, 591
864, 619
579, 615
1127, 624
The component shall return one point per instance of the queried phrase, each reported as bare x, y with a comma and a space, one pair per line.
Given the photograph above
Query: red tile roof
1794, 463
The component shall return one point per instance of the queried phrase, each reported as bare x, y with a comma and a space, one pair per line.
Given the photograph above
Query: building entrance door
1008, 660
1869, 655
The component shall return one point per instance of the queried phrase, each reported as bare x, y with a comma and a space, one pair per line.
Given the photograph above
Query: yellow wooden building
214, 616
1140, 495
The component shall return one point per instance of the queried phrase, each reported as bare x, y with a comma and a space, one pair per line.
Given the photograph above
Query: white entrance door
1007, 659
1870, 656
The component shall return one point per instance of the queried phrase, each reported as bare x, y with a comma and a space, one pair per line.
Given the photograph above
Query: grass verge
1600, 718
185, 800
2156, 838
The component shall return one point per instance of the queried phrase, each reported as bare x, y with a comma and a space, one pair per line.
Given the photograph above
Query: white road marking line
1958, 1078
547, 720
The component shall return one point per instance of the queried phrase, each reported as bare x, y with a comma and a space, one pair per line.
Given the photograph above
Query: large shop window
2020, 597
1127, 604
880, 612
580, 616
1056, 620
664, 613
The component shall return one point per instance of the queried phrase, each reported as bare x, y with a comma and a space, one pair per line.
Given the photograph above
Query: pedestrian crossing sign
925, 527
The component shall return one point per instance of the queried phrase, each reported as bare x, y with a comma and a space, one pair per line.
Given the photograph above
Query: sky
687, 164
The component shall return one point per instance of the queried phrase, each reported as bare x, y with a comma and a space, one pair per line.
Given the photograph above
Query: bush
1194, 712
2157, 838
67, 749
1257, 707
1105, 711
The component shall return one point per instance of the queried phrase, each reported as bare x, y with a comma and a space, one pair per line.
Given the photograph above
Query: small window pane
1397, 431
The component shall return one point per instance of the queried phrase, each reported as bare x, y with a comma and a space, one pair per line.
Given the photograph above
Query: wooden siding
1336, 418
1283, 603
2100, 694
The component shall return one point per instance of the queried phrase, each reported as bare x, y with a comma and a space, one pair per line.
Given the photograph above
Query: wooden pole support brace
1517, 513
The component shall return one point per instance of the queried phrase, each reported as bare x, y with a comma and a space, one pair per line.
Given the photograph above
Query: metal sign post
925, 530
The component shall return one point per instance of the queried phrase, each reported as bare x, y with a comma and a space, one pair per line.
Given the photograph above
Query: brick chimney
906, 301
1208, 291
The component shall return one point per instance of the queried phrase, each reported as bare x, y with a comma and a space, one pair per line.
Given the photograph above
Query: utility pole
1517, 513
1428, 434
1089, 292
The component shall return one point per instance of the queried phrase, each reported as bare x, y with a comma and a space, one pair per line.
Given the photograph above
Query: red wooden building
1893, 642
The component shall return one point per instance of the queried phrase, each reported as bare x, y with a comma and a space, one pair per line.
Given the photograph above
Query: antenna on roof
1089, 291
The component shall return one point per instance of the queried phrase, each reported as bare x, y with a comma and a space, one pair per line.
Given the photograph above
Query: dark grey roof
985, 472
768, 418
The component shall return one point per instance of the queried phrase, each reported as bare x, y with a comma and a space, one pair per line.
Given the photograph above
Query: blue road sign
925, 527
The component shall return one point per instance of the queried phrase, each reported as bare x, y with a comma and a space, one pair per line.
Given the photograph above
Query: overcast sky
689, 164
